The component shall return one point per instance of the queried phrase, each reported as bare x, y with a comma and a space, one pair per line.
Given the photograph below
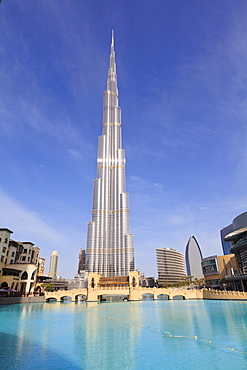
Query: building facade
170, 265
82, 261
110, 246
18, 263
53, 265
217, 270
238, 239
226, 246
193, 258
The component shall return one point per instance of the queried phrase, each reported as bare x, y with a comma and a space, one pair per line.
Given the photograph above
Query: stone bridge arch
178, 297
163, 297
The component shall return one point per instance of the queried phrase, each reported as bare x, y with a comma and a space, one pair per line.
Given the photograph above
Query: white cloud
26, 224
146, 183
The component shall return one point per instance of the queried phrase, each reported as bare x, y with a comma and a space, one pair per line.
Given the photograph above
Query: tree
48, 287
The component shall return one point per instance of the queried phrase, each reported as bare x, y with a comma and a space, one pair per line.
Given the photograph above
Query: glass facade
110, 246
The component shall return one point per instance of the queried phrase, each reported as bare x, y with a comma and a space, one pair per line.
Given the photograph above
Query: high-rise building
53, 265
193, 258
82, 261
110, 246
170, 264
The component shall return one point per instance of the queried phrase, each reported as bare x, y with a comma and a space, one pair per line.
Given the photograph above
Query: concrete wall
15, 300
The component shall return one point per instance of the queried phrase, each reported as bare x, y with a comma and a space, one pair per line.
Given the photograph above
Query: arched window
33, 275
24, 276
4, 285
92, 283
133, 281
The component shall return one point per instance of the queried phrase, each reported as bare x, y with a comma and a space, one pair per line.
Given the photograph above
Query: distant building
82, 260
170, 264
226, 246
193, 258
53, 265
145, 281
80, 281
216, 270
41, 266
18, 263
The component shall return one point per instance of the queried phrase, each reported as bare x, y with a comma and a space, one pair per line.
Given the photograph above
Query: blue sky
182, 80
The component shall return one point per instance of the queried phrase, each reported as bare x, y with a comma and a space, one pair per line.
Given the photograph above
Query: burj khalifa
110, 246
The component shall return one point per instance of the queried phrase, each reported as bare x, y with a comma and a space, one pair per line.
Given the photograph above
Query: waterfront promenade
139, 293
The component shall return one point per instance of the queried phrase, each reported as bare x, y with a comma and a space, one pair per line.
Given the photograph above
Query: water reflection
138, 335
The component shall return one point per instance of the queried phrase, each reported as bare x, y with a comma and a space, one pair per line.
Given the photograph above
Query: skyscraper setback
110, 246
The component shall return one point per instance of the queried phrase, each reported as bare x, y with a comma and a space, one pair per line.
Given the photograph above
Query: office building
53, 265
82, 261
226, 246
238, 238
193, 258
170, 265
219, 271
110, 246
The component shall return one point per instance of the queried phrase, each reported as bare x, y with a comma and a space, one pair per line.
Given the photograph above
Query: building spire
112, 38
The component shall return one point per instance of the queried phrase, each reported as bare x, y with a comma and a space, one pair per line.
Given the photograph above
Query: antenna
112, 37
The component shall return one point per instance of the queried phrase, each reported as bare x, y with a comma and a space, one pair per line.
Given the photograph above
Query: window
4, 249
25, 250
24, 258
13, 254
2, 258
0, 239
29, 251
24, 276
6, 240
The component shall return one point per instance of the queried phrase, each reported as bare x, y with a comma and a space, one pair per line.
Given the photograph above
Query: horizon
181, 81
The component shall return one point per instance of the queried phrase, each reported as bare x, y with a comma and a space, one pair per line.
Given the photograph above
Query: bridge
127, 288
131, 294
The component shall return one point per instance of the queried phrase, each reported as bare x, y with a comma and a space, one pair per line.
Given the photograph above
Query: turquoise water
125, 335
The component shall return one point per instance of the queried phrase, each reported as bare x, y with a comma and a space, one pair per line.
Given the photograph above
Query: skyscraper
193, 258
82, 260
53, 264
110, 246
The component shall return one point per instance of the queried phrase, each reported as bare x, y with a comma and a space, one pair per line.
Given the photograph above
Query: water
126, 335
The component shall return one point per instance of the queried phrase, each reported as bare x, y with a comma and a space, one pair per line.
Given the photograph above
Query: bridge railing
112, 288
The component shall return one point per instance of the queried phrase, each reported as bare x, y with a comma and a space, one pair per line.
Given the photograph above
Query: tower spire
112, 38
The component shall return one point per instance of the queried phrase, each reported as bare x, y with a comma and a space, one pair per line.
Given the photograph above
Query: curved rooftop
236, 234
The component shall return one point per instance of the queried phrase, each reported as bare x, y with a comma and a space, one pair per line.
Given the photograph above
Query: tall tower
53, 264
193, 258
110, 246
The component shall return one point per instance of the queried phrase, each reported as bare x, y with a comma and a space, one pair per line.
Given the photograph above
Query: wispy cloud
27, 224
137, 181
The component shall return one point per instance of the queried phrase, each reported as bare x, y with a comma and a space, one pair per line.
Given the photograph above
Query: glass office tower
193, 258
110, 247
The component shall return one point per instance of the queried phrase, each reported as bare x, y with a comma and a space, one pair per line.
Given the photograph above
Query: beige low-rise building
217, 268
19, 263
